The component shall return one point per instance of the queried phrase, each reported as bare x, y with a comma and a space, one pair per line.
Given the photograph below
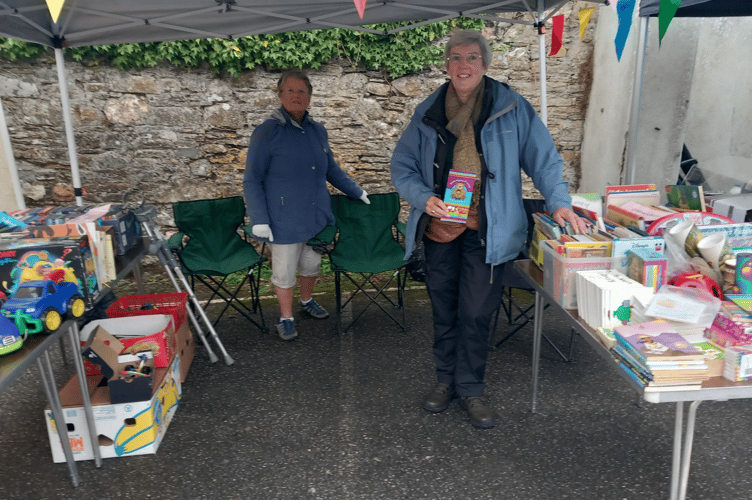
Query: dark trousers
464, 298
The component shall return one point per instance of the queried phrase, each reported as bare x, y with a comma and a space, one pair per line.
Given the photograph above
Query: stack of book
726, 331
658, 358
606, 297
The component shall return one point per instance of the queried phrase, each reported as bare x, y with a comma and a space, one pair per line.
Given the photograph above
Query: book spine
630, 360
630, 348
631, 373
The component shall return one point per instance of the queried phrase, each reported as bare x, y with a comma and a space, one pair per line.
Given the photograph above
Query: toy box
156, 332
127, 229
37, 259
647, 266
123, 429
158, 303
559, 273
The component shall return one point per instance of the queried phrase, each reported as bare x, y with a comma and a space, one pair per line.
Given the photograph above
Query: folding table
714, 389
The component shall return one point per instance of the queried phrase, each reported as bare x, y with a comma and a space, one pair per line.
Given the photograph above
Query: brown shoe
481, 415
438, 399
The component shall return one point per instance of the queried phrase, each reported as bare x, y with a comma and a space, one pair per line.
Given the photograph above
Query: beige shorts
292, 258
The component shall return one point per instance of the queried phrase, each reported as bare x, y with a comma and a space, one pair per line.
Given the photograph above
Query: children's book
458, 194
686, 197
655, 341
647, 266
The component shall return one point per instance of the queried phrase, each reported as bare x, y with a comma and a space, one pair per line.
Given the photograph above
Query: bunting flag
55, 6
557, 31
584, 16
624, 10
361, 6
665, 15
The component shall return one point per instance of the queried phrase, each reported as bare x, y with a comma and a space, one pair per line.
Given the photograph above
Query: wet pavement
339, 417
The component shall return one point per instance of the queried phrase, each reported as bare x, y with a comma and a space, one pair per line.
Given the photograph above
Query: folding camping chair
518, 314
210, 248
365, 245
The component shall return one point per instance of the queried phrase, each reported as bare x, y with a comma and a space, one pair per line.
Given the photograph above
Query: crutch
158, 246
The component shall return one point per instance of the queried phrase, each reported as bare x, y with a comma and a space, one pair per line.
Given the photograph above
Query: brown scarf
461, 119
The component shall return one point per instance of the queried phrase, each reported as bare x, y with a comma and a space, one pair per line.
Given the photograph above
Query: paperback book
458, 194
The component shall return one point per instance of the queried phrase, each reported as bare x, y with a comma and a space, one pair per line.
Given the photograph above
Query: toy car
47, 301
13, 330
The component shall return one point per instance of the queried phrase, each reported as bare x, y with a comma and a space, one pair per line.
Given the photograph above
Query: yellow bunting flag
361, 6
55, 7
584, 16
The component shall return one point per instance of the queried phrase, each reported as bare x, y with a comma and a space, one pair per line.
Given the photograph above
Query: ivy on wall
405, 52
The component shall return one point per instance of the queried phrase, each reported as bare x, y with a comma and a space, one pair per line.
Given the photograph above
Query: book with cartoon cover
458, 194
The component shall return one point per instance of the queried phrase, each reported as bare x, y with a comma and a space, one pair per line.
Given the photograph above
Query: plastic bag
685, 305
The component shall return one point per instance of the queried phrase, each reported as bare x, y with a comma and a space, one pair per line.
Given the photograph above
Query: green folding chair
209, 247
365, 242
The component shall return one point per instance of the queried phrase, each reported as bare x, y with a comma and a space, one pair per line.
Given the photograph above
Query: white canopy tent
648, 9
93, 22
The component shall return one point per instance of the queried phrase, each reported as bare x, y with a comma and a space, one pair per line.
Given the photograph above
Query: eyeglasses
471, 59
293, 91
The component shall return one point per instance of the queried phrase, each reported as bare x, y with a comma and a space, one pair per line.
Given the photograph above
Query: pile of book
606, 297
732, 326
658, 358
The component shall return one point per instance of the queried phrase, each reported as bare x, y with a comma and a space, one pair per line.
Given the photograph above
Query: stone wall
181, 134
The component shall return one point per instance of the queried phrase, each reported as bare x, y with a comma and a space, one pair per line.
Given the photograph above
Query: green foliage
406, 52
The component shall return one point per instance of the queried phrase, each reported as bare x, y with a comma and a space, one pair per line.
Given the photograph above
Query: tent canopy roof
701, 8
97, 22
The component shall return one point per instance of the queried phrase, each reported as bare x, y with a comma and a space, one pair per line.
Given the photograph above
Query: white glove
364, 197
262, 231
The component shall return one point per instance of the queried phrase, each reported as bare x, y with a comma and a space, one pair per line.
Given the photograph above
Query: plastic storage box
560, 273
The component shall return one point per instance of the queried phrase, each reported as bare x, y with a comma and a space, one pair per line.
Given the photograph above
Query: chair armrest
247, 232
401, 227
175, 242
323, 239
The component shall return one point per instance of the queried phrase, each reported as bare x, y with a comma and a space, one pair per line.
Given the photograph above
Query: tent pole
11, 160
72, 154
542, 57
634, 113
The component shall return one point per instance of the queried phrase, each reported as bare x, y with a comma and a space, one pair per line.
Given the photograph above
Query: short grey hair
293, 73
467, 37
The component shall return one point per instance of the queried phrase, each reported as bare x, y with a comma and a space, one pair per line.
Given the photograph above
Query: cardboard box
124, 429
156, 332
34, 259
186, 349
737, 207
100, 352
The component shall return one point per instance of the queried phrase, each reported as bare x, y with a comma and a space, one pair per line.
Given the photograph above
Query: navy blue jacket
286, 172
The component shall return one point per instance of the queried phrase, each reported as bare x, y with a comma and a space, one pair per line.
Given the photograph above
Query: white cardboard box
123, 429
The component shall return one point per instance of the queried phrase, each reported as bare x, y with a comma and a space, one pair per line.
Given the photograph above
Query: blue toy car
46, 300
10, 337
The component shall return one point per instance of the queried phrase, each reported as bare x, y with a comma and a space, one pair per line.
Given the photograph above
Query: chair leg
373, 299
338, 299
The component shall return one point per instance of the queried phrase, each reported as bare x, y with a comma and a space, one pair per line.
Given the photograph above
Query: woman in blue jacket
289, 162
478, 125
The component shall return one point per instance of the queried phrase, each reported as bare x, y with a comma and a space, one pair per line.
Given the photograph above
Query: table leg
138, 277
50, 390
687, 455
676, 456
537, 334
78, 361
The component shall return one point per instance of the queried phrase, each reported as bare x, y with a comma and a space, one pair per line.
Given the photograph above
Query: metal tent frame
93, 22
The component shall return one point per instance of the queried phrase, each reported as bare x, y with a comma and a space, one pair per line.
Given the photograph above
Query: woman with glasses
478, 128
288, 165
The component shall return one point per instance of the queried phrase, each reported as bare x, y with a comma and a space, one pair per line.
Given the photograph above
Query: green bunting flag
666, 13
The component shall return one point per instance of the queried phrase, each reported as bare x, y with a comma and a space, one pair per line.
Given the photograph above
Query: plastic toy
11, 338
47, 301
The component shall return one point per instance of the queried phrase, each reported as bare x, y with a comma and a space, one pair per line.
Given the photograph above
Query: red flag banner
361, 6
557, 32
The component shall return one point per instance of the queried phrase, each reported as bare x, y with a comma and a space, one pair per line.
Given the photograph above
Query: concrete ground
330, 417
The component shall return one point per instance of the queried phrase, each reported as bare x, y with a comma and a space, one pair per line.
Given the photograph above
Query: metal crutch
158, 246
